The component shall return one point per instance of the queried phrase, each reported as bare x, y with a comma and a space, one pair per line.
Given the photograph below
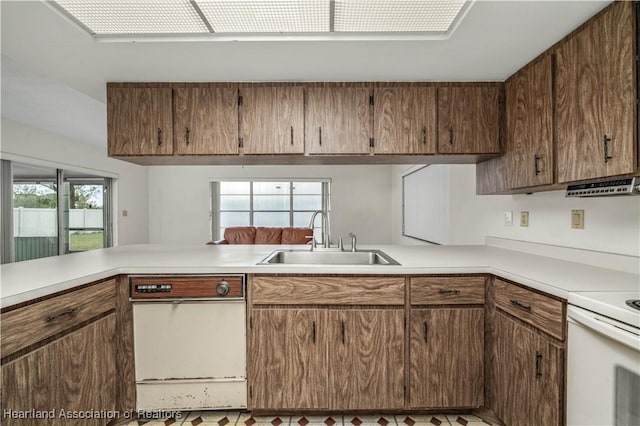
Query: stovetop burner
634, 303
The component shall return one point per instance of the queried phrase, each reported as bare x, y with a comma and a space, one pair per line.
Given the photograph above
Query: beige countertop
560, 272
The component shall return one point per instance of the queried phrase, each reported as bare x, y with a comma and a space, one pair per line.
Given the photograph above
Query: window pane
35, 220
271, 219
307, 187
234, 187
270, 188
271, 202
307, 202
234, 202
85, 240
301, 219
228, 219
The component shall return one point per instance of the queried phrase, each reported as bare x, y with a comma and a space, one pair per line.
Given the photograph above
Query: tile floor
238, 418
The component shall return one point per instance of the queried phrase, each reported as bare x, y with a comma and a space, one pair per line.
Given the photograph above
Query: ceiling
54, 73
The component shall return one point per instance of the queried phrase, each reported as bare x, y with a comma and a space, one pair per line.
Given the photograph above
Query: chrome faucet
326, 229
353, 241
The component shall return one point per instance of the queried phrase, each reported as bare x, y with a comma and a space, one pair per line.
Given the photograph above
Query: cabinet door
404, 120
366, 359
139, 121
446, 358
205, 120
468, 120
528, 375
595, 98
337, 120
529, 125
288, 362
272, 120
75, 373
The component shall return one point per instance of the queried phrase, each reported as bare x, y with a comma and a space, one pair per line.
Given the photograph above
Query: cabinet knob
606, 141
159, 136
186, 136
223, 288
536, 160
450, 135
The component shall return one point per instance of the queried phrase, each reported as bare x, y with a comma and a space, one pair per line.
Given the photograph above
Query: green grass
86, 241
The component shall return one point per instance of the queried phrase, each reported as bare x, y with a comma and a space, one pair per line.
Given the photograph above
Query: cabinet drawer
280, 290
536, 309
447, 290
28, 325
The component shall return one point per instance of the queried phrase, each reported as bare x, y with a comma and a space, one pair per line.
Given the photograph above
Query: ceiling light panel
396, 16
135, 16
267, 16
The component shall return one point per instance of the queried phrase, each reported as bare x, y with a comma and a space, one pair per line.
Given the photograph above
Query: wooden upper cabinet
468, 119
595, 97
272, 120
404, 120
338, 120
139, 121
205, 120
529, 126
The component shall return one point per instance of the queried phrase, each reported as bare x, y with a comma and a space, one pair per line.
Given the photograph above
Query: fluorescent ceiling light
266, 19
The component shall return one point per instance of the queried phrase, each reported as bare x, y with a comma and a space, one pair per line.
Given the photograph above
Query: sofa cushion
296, 235
240, 234
268, 235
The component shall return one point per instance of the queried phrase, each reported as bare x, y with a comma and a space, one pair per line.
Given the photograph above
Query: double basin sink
328, 257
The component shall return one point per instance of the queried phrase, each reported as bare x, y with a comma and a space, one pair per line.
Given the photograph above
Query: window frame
215, 211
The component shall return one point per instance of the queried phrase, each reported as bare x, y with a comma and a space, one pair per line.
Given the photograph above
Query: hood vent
626, 186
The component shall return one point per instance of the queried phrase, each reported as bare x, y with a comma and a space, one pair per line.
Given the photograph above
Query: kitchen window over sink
268, 202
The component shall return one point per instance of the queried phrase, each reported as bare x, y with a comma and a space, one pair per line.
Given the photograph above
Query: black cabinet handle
291, 135
450, 135
538, 364
186, 136
521, 305
313, 332
454, 291
159, 136
606, 141
426, 332
342, 330
68, 312
320, 135
536, 160
424, 136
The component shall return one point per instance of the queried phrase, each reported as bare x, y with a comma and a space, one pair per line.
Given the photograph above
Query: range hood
624, 186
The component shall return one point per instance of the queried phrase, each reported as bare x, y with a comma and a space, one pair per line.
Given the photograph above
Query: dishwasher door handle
626, 338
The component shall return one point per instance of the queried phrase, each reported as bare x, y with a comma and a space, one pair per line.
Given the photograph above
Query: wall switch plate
508, 218
577, 219
125, 213
524, 219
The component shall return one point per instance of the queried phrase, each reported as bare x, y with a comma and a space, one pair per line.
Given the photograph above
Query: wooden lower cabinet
446, 358
75, 373
321, 358
366, 359
527, 375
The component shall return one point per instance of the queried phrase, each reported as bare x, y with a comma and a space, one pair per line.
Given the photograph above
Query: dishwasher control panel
159, 287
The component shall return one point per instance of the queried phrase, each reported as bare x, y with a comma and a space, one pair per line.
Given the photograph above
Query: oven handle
624, 337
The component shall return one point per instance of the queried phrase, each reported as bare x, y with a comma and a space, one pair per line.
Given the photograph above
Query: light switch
577, 219
524, 219
508, 218
125, 213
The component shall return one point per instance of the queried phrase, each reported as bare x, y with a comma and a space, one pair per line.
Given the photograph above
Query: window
277, 203
53, 212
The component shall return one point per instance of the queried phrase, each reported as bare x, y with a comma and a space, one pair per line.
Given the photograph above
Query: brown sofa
264, 235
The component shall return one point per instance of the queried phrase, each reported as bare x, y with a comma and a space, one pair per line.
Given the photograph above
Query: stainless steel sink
306, 257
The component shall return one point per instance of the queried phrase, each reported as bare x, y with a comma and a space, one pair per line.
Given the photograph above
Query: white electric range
603, 359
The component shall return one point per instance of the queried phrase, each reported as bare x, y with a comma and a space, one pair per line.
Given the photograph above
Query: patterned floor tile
369, 420
466, 420
422, 420
328, 420
221, 418
246, 419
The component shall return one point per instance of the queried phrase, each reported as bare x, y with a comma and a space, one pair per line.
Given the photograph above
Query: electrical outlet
524, 219
508, 218
125, 213
577, 219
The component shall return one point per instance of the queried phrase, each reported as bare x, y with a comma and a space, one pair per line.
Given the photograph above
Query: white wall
179, 199
612, 224
30, 143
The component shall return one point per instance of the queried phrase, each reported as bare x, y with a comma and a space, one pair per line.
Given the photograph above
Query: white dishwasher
189, 342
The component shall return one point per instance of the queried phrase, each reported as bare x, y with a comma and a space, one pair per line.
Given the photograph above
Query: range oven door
603, 371
190, 355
